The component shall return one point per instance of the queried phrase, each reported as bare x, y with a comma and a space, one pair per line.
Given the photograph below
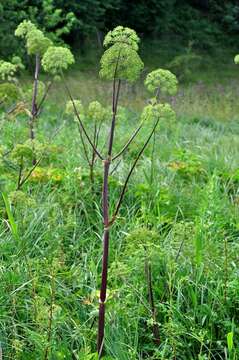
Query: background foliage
205, 22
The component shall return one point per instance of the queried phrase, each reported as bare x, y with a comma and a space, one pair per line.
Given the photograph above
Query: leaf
230, 341
12, 223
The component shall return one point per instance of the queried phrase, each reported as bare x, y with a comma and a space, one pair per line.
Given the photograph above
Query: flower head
70, 109
162, 80
24, 28
236, 59
96, 111
9, 92
157, 111
22, 151
123, 35
16, 60
36, 41
56, 59
7, 70
120, 61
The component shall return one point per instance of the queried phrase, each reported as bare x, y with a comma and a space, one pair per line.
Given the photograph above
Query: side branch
81, 123
128, 143
34, 99
84, 145
129, 175
114, 108
44, 98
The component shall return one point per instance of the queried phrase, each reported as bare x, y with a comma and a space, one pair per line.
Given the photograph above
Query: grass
185, 222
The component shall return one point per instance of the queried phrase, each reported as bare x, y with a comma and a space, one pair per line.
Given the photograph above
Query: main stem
34, 109
34, 98
106, 234
104, 274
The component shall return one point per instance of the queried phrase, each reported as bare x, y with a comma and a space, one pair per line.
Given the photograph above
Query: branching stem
129, 175
80, 122
34, 109
125, 147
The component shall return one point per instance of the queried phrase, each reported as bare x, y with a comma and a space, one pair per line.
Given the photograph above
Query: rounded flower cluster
236, 59
56, 59
9, 92
96, 111
70, 110
157, 111
121, 35
162, 80
36, 41
7, 70
24, 28
22, 151
122, 62
16, 60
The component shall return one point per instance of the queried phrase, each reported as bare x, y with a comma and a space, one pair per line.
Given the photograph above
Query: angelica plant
36, 44
120, 61
159, 82
53, 60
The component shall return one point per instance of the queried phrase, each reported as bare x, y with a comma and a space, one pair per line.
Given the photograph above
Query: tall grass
49, 291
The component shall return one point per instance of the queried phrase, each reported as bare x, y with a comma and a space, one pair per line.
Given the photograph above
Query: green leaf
12, 223
230, 341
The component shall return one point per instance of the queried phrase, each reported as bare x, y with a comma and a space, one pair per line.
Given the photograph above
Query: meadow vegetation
172, 289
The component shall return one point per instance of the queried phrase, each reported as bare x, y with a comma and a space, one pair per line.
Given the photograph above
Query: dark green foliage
207, 23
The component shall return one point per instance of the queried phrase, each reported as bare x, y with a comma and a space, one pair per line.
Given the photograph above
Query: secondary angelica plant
119, 62
36, 44
159, 82
26, 156
54, 59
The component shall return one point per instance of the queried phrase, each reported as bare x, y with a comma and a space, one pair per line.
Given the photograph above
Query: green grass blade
12, 223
